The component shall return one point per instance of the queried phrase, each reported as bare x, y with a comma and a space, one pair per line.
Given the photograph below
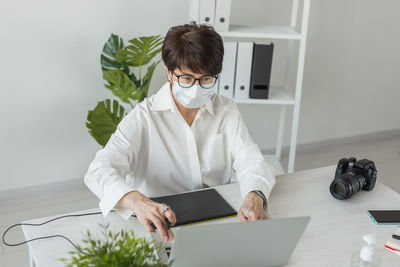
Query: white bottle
366, 257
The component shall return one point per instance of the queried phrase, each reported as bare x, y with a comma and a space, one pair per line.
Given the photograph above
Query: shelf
262, 32
274, 161
277, 96
292, 32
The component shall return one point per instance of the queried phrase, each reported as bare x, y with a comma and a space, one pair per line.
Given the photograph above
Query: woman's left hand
252, 208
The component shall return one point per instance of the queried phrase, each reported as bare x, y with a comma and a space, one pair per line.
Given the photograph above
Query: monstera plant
119, 64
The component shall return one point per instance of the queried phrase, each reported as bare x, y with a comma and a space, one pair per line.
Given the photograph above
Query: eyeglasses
187, 81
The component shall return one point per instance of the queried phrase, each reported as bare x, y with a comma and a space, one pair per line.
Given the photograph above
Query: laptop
252, 243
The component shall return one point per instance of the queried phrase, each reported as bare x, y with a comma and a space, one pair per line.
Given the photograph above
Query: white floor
383, 149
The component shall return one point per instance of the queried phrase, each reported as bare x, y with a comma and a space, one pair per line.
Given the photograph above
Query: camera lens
347, 185
340, 189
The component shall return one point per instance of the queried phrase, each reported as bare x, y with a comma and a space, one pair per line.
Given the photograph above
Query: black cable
50, 236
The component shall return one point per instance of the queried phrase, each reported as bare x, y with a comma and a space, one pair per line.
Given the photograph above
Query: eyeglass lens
188, 81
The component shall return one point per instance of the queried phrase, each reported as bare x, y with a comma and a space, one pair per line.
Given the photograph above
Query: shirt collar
163, 100
209, 106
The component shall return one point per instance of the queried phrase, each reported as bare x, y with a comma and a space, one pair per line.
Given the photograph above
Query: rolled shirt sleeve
252, 171
106, 174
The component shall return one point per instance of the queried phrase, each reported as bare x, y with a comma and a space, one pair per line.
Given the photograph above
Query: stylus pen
396, 237
168, 224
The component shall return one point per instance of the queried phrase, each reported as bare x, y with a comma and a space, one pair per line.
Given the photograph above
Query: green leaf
103, 120
141, 51
146, 80
132, 76
108, 58
121, 85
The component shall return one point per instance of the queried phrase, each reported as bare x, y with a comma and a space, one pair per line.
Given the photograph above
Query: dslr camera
351, 176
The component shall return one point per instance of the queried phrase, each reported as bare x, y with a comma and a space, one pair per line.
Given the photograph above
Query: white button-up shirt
155, 151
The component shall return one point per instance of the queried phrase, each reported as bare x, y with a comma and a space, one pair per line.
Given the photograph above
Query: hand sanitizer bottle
366, 257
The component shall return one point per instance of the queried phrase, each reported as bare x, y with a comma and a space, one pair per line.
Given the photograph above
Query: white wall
50, 74
351, 80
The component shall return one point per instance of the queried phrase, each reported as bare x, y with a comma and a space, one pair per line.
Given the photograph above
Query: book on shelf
246, 70
215, 13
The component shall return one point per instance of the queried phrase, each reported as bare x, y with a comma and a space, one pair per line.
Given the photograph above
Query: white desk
334, 232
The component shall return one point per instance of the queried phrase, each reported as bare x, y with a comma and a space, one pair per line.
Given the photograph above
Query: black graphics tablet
197, 206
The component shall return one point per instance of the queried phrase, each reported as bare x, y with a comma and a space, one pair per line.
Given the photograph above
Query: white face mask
193, 97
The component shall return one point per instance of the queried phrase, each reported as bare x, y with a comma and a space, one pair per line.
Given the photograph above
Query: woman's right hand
148, 211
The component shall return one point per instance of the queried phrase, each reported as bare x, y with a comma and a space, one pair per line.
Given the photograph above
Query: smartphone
385, 216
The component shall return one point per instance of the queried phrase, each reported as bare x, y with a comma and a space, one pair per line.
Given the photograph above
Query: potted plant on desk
122, 249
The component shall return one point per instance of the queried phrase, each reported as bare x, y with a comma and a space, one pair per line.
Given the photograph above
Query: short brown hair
197, 47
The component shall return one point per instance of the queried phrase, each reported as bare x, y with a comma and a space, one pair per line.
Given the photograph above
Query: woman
182, 138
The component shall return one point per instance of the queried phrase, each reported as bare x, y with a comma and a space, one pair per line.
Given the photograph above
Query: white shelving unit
261, 31
278, 95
